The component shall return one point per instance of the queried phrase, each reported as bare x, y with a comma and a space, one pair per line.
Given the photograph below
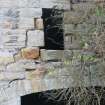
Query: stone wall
22, 70
26, 68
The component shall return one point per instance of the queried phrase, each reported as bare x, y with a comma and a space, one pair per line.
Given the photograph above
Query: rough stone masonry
26, 68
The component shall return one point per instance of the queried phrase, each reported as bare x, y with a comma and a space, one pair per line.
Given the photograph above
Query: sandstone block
8, 23
8, 3
26, 23
13, 38
35, 74
30, 53
11, 75
10, 12
35, 38
18, 56
27, 86
63, 4
30, 12
36, 85
22, 65
39, 24
14, 101
51, 54
29, 3
15, 67
6, 57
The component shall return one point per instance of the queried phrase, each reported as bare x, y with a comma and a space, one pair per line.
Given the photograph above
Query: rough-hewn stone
37, 74
26, 23
30, 12
13, 38
39, 24
8, 3
8, 23
35, 38
22, 38
6, 57
51, 54
30, 53
29, 3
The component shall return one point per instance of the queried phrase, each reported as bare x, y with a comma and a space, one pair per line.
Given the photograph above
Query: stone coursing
24, 67
21, 34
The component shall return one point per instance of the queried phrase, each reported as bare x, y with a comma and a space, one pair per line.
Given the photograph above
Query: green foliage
99, 11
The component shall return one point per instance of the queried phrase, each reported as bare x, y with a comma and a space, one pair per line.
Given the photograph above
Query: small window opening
53, 30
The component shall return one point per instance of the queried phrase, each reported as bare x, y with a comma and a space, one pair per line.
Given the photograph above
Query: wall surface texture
24, 67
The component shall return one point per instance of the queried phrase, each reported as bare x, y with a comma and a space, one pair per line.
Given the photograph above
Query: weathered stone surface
69, 28
12, 38
17, 56
8, 3
37, 74
80, 28
82, 6
22, 65
51, 54
29, 3
27, 64
8, 23
26, 23
68, 54
21, 31
11, 75
27, 87
6, 57
35, 38
15, 101
30, 53
72, 17
11, 12
72, 42
30, 12
39, 24
62, 4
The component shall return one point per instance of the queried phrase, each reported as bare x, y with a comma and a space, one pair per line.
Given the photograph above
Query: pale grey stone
9, 12
27, 86
11, 75
12, 38
5, 57
14, 67
8, 23
14, 101
30, 12
21, 66
35, 38
26, 23
61, 4
51, 54
29, 3
84, 6
8, 3
27, 64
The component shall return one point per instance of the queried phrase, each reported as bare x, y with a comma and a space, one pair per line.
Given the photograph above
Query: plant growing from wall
89, 67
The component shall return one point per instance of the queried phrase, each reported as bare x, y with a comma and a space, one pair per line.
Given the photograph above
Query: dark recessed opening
53, 31
39, 99
42, 98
